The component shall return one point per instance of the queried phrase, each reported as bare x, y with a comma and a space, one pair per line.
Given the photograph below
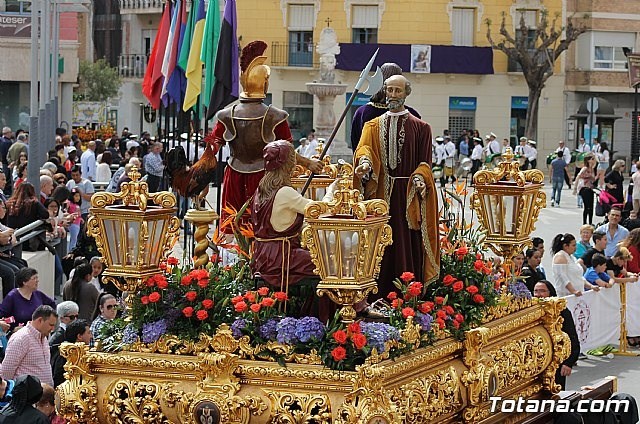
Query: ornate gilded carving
368, 400
201, 219
507, 305
561, 344
411, 333
131, 401
78, 395
294, 408
425, 399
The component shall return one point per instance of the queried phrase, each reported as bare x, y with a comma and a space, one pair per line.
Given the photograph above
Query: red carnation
162, 266
241, 307
415, 288
478, 265
154, 297
187, 312
255, 307
203, 282
448, 280
202, 315
456, 323
207, 304
263, 291
236, 299
439, 300
441, 314
185, 280
461, 251
144, 300
440, 323
459, 318
162, 283
281, 296
339, 353
359, 340
151, 281
408, 312
407, 276
448, 309
171, 260
191, 295
268, 302
396, 303
340, 336
457, 286
392, 295
472, 289
478, 256
200, 274
426, 307
354, 327
478, 298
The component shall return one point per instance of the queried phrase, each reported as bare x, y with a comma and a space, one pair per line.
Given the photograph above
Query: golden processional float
222, 377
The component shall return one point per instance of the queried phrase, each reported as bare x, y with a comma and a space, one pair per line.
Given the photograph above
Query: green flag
209, 49
183, 54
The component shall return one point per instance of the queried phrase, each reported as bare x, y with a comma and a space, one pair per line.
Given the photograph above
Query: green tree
97, 81
536, 51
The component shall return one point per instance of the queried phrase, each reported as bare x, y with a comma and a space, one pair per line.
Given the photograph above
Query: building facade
458, 81
15, 72
596, 67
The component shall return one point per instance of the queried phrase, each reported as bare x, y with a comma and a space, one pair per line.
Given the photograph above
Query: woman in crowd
71, 160
21, 175
22, 159
114, 148
567, 273
530, 268
103, 170
586, 232
602, 152
57, 225
544, 289
632, 243
9, 264
106, 310
80, 290
23, 300
75, 200
614, 181
584, 185
518, 262
24, 208
96, 270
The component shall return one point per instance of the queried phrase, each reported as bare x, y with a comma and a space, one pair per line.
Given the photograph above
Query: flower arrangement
87, 134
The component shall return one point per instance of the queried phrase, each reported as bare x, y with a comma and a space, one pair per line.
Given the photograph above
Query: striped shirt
27, 353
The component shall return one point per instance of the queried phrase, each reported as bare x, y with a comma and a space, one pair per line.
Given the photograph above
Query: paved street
567, 218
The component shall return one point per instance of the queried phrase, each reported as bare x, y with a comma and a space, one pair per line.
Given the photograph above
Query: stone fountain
326, 90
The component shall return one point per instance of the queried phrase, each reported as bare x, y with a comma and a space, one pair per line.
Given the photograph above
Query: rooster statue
191, 181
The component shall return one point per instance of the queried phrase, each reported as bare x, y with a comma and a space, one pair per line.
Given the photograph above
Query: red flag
152, 83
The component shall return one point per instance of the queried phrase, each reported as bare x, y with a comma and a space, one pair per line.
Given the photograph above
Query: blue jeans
556, 189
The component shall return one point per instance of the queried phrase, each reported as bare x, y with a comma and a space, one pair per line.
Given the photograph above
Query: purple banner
444, 59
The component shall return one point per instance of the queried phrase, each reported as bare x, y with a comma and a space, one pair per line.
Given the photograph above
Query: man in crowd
614, 231
85, 188
154, 167
28, 349
46, 187
77, 331
599, 245
88, 161
566, 155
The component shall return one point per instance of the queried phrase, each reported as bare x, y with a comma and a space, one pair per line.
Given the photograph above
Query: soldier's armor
248, 127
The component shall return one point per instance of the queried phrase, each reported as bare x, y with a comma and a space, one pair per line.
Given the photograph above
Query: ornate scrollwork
377, 207
426, 398
294, 408
411, 333
510, 169
367, 401
78, 394
134, 402
561, 343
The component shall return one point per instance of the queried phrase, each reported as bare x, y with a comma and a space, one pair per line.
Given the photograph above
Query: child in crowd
75, 200
597, 274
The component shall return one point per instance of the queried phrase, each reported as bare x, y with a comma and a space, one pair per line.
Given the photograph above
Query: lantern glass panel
348, 250
490, 207
509, 212
319, 193
329, 250
114, 240
153, 248
372, 234
132, 242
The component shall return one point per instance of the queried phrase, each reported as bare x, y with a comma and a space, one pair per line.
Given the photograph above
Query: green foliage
97, 81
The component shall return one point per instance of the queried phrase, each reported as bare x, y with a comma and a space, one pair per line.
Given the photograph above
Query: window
22, 7
609, 58
300, 107
531, 21
606, 49
463, 26
301, 22
148, 37
364, 24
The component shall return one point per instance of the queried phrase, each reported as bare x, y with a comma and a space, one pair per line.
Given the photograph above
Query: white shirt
563, 274
103, 172
532, 153
441, 153
476, 153
88, 165
566, 155
450, 154
583, 148
493, 147
635, 178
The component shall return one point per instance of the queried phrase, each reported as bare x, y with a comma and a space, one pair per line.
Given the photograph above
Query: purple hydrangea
269, 330
151, 332
130, 334
287, 331
378, 334
519, 290
237, 327
424, 320
309, 328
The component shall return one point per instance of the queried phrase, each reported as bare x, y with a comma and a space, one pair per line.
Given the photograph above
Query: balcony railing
141, 5
132, 65
294, 54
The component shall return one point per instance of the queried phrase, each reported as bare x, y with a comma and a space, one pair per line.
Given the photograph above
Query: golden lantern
346, 238
508, 202
132, 235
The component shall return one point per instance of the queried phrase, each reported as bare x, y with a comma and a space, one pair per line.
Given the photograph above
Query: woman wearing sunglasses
106, 310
